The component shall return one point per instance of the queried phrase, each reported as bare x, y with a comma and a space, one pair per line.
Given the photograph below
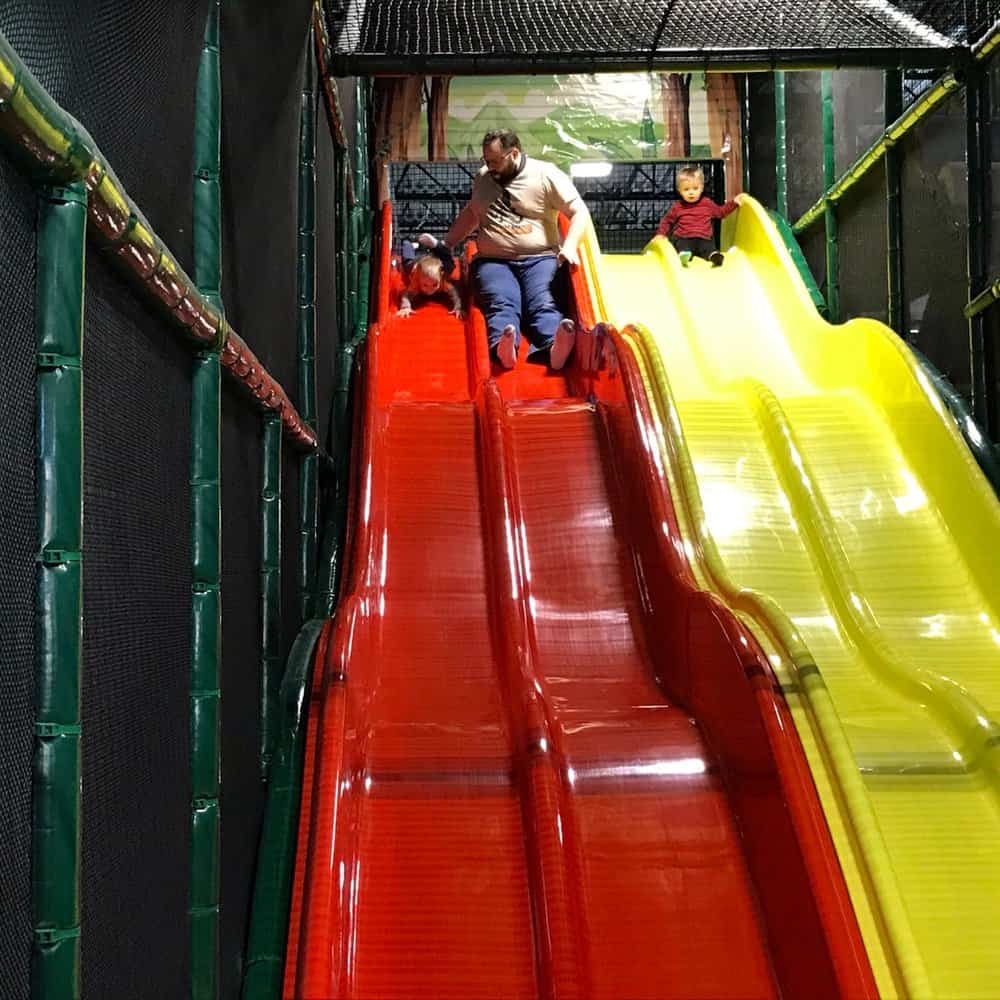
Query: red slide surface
540, 762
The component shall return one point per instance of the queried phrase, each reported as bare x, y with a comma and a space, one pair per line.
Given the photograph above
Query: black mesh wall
136, 681
263, 45
242, 791
994, 78
17, 582
804, 141
934, 240
128, 72
858, 113
763, 179
861, 224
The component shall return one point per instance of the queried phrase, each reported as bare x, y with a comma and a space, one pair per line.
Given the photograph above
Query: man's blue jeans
508, 289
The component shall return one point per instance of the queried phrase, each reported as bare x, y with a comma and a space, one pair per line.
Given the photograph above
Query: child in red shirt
688, 224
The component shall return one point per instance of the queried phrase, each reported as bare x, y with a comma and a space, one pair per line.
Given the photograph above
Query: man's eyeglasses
495, 163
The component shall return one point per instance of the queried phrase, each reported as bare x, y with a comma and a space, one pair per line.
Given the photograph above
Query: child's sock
685, 256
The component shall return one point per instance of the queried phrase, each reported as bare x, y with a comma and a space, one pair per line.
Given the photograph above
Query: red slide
540, 762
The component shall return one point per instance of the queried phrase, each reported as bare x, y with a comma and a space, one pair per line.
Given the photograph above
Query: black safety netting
128, 73
858, 114
804, 141
264, 47
380, 34
861, 229
626, 199
763, 179
935, 230
17, 583
241, 796
262, 54
136, 660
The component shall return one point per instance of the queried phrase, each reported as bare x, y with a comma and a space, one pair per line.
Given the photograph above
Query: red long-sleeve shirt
693, 221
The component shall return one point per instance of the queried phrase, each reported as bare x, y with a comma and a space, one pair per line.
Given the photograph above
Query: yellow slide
825, 494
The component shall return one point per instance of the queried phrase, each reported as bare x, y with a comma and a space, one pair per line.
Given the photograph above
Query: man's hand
428, 241
568, 255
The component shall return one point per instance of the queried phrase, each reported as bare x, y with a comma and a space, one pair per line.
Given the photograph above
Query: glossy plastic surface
541, 763
827, 496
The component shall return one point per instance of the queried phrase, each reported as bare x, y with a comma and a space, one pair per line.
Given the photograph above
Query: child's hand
426, 240
740, 198
404, 311
457, 312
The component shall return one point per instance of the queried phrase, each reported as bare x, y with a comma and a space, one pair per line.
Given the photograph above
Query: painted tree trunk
724, 127
437, 118
398, 103
675, 102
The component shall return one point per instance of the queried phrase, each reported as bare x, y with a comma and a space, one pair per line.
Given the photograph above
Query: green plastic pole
893, 88
206, 563
780, 143
746, 121
306, 284
276, 857
270, 588
829, 211
363, 230
56, 774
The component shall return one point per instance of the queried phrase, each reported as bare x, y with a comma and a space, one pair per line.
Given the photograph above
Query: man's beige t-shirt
521, 218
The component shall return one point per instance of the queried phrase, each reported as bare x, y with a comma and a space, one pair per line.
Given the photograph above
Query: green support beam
276, 857
745, 126
829, 211
781, 143
206, 555
56, 771
893, 88
306, 299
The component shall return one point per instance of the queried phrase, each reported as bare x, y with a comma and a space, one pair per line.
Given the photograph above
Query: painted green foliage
567, 118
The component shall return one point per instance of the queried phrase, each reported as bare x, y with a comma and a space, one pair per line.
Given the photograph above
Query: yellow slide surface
825, 494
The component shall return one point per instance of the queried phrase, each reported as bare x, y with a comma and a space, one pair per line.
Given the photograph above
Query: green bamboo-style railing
781, 142
56, 772
306, 298
271, 659
206, 530
832, 239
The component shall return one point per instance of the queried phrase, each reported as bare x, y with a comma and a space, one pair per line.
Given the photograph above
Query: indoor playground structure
342, 662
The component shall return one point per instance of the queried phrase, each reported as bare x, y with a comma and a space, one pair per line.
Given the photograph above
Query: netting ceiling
407, 36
